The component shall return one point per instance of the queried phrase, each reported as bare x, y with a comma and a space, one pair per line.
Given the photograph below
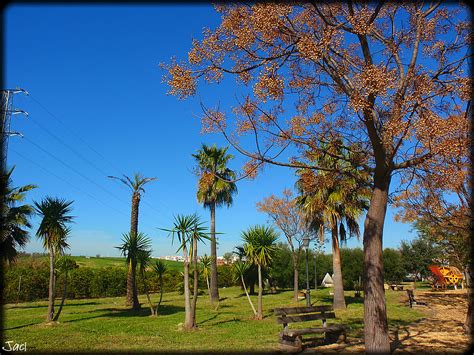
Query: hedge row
28, 281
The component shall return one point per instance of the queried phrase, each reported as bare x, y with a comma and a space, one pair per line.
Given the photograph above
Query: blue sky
98, 107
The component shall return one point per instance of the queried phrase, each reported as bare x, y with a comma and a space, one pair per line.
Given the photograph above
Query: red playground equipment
444, 276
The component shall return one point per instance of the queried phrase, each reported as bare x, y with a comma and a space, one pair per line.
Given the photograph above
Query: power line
66, 181
163, 205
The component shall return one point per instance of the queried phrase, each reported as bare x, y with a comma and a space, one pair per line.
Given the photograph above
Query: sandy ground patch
440, 331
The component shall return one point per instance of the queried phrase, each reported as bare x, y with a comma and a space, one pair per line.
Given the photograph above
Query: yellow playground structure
444, 276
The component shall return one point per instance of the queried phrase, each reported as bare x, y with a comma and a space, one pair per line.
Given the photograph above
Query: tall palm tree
133, 247
214, 190
15, 220
160, 268
53, 230
188, 230
334, 201
260, 247
136, 185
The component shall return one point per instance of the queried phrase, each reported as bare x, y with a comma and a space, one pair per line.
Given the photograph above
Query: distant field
93, 262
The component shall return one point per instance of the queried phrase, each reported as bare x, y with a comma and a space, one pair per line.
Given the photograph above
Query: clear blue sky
98, 107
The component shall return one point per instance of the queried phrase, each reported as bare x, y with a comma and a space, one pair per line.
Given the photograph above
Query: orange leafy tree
438, 200
287, 216
385, 81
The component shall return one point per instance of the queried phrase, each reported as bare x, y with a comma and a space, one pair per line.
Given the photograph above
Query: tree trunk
188, 323
468, 322
132, 298
135, 302
248, 297
252, 288
260, 294
52, 286
295, 277
375, 312
214, 288
208, 289
129, 298
152, 309
338, 301
196, 282
161, 295
63, 299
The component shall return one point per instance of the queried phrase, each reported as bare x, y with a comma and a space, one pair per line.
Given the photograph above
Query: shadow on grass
121, 312
46, 305
21, 326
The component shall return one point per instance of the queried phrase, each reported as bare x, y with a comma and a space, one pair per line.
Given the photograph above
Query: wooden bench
291, 339
396, 287
412, 301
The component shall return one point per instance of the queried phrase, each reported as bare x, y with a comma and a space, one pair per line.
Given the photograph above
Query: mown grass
96, 325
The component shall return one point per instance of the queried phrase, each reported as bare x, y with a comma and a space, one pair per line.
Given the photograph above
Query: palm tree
14, 234
53, 230
260, 248
63, 265
133, 248
160, 268
206, 262
188, 230
334, 201
214, 190
240, 268
136, 186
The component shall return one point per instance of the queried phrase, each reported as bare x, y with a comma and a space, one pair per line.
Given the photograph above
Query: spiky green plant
260, 247
53, 231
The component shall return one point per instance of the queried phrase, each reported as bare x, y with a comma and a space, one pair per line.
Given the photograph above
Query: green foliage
352, 266
53, 229
16, 222
260, 244
226, 276
418, 254
393, 266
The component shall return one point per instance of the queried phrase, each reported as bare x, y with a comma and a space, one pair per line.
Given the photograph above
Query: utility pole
7, 112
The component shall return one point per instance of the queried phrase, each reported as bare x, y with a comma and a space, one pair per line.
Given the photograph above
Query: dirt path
440, 331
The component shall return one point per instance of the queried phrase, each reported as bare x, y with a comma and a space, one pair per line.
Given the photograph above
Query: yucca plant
53, 231
260, 247
240, 269
133, 246
189, 230
160, 268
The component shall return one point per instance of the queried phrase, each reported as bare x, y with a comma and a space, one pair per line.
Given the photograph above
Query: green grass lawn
106, 325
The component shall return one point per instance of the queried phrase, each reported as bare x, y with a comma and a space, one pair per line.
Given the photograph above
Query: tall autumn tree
215, 189
287, 216
136, 185
387, 80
